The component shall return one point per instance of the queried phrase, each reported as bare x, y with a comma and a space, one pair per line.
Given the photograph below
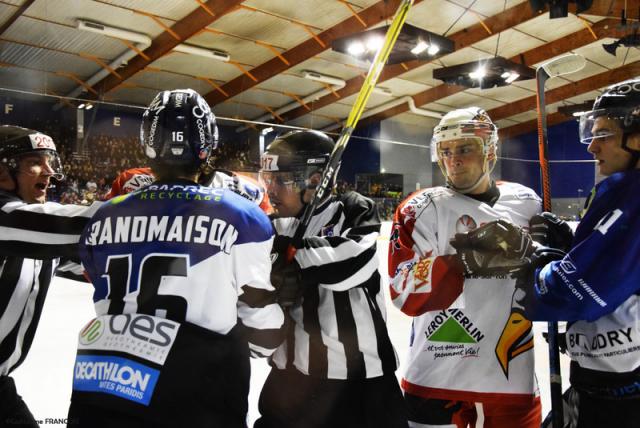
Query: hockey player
596, 286
181, 277
28, 162
336, 367
136, 178
468, 364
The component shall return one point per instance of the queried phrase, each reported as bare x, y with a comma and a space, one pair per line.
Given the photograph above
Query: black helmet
179, 129
16, 142
300, 154
620, 102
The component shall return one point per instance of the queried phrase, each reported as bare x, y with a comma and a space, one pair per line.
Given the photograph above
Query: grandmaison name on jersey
197, 229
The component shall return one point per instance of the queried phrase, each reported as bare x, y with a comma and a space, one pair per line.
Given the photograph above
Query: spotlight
81, 106
89, 106
484, 74
413, 43
559, 8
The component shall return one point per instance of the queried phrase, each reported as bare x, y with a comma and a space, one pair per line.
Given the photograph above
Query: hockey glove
286, 276
494, 249
525, 277
551, 231
497, 236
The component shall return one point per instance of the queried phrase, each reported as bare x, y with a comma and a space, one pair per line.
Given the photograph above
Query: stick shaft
555, 377
354, 116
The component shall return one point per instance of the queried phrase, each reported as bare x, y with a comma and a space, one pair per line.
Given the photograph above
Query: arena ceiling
271, 43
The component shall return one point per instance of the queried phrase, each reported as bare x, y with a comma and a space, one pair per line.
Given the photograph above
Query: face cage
54, 163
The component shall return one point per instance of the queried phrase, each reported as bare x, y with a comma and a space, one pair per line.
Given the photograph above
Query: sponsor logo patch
116, 376
465, 224
143, 336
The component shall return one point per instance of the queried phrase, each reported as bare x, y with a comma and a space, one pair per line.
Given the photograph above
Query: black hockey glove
494, 249
525, 277
549, 230
286, 277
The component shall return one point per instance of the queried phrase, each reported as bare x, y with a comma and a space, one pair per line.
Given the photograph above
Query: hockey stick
556, 67
354, 115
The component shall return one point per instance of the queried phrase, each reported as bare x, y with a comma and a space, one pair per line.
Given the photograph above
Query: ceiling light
374, 43
81, 106
479, 73
204, 52
412, 43
420, 47
323, 78
486, 73
89, 106
356, 49
512, 78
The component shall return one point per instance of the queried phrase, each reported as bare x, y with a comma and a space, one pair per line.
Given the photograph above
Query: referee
336, 368
28, 162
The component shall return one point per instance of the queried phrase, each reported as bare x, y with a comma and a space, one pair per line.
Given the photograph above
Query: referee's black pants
13, 410
290, 399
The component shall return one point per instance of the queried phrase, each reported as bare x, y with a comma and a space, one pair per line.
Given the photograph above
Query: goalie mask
296, 160
621, 103
16, 142
471, 125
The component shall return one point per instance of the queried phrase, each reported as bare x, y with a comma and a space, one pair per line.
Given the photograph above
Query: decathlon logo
92, 332
116, 376
567, 266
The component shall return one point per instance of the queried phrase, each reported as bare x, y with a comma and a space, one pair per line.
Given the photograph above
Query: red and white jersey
465, 342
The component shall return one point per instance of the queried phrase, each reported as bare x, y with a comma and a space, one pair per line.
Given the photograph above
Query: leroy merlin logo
452, 326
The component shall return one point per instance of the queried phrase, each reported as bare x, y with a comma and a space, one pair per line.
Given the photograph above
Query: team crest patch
465, 224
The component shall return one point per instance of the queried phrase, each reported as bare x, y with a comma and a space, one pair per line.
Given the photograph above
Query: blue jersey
602, 270
187, 253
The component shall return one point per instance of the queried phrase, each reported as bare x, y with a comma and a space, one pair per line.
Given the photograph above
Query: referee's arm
42, 231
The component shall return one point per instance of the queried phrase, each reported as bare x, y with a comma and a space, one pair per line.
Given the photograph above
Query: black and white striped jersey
32, 237
339, 329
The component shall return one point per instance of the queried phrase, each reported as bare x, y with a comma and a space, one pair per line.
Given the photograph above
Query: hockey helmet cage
296, 156
16, 141
179, 128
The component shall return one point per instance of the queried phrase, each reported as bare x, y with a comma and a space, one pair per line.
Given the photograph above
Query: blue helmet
179, 129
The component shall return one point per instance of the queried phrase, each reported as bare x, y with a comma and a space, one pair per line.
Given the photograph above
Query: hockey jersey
187, 253
339, 329
464, 345
597, 285
137, 178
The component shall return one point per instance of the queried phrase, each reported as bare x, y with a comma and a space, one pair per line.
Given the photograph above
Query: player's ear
633, 141
6, 181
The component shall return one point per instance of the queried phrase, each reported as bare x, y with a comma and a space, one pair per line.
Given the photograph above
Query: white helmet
471, 123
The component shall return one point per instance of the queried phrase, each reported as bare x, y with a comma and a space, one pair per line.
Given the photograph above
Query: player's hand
496, 236
482, 263
286, 276
549, 230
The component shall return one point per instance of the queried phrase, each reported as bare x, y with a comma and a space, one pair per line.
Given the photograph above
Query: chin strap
469, 189
635, 154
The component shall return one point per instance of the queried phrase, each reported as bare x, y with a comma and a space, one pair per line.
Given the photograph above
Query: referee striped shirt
339, 329
32, 237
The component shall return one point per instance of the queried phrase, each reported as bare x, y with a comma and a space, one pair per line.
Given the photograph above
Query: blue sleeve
597, 275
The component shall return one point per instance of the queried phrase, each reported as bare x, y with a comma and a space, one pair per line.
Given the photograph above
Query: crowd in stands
89, 173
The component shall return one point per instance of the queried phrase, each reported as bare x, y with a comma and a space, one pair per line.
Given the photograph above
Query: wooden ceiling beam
580, 87
379, 11
204, 15
584, 37
17, 14
606, 78
464, 38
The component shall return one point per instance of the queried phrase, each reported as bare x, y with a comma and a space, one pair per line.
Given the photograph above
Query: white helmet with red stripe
473, 124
